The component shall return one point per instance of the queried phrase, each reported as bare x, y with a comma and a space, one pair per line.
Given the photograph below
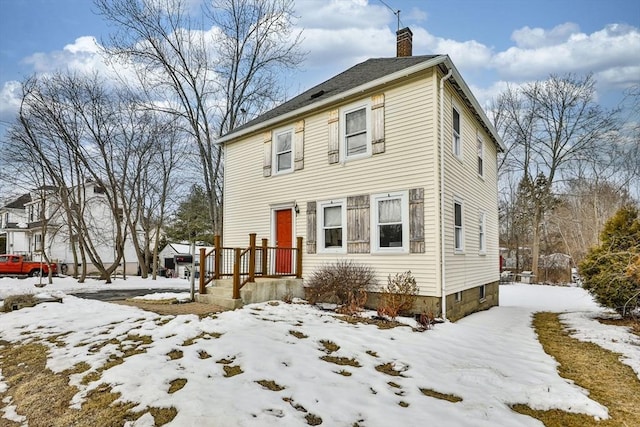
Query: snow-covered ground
490, 359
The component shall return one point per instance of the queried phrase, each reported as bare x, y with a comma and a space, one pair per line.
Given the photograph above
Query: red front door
283, 240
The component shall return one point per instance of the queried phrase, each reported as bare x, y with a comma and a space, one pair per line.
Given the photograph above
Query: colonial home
35, 223
391, 163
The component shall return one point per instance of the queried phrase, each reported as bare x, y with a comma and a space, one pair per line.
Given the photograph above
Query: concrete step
228, 303
220, 292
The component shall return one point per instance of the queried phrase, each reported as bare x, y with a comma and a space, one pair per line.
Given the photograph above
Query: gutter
442, 249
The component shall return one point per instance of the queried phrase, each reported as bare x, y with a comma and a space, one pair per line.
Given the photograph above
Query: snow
490, 359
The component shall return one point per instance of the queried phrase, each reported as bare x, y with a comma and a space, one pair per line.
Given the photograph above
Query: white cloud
83, 55
605, 52
528, 38
9, 101
341, 14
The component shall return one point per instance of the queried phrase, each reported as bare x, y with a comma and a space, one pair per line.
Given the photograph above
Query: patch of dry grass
298, 334
609, 381
313, 420
43, 397
389, 369
442, 396
380, 323
341, 361
329, 346
177, 384
18, 302
231, 370
175, 354
270, 385
632, 324
344, 373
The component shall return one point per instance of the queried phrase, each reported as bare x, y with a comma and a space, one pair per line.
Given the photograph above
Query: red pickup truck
18, 265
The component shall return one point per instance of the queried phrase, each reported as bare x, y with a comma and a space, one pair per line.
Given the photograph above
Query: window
458, 231
481, 233
480, 156
37, 242
458, 296
483, 292
390, 220
332, 234
457, 140
283, 151
357, 138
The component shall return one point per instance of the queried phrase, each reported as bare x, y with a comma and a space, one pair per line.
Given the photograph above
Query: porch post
217, 254
265, 244
299, 257
236, 273
203, 270
252, 257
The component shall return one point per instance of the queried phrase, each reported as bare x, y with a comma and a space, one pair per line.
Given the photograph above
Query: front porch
231, 277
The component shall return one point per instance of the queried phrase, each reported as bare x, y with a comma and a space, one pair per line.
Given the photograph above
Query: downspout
442, 250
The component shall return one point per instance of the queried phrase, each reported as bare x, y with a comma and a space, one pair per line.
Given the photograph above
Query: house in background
391, 163
177, 257
13, 222
36, 222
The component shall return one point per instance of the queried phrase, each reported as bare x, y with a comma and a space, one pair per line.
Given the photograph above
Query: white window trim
483, 293
453, 142
482, 236
480, 155
343, 128
458, 250
458, 296
320, 225
404, 202
274, 149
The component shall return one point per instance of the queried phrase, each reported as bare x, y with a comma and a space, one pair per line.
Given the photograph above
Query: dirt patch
632, 324
610, 382
196, 308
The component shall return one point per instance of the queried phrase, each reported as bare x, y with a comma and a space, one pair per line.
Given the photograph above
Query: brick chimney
404, 42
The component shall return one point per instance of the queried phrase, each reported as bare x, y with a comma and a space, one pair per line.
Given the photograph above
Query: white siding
478, 194
408, 162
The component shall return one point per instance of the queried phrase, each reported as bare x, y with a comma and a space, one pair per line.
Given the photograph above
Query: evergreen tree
610, 271
192, 221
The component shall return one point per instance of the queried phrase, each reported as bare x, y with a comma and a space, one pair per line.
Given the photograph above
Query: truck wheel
35, 272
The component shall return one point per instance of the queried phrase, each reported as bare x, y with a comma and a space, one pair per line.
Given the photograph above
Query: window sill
283, 172
482, 300
482, 254
388, 252
458, 252
332, 251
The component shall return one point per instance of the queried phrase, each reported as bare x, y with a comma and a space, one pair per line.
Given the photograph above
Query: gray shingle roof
365, 72
19, 202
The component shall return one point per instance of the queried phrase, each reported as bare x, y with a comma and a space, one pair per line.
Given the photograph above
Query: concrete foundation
221, 292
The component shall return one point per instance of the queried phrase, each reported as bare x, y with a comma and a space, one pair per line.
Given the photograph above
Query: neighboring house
36, 222
391, 163
13, 222
167, 257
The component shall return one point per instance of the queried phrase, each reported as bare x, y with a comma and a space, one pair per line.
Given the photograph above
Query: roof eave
333, 99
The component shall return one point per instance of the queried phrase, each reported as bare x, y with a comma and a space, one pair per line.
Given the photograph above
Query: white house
391, 163
36, 222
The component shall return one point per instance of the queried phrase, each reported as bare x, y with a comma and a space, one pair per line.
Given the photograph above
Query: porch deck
232, 277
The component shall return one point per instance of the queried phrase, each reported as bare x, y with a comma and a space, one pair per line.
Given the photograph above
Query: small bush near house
398, 296
610, 271
344, 283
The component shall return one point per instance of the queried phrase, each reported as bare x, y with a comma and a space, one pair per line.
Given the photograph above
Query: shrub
344, 283
609, 271
398, 296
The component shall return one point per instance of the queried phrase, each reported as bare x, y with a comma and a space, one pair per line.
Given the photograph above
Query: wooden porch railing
243, 265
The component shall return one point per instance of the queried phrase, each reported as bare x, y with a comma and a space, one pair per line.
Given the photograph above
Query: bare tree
549, 126
209, 78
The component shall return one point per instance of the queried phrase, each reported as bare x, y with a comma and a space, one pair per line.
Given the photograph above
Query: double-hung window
283, 151
356, 134
480, 156
457, 135
458, 231
390, 221
482, 240
332, 221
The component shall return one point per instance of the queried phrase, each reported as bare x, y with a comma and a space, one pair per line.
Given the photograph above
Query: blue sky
492, 42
